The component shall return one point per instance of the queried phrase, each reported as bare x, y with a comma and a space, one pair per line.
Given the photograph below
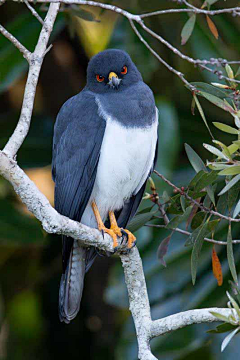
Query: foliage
28, 259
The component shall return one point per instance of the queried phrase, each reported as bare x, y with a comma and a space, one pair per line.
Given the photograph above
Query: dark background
30, 260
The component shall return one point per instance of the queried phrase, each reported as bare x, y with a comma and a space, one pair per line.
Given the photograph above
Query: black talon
102, 234
124, 237
115, 249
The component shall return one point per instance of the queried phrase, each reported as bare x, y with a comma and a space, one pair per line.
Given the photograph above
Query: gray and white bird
104, 150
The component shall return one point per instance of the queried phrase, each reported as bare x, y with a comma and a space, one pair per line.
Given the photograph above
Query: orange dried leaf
212, 27
217, 268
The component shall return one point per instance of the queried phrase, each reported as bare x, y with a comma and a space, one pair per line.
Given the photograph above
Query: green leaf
230, 184
233, 195
140, 220
212, 225
173, 223
222, 203
215, 151
236, 210
197, 220
218, 102
202, 114
206, 180
195, 159
220, 329
188, 29
230, 255
237, 121
233, 148
227, 339
212, 90
231, 170
234, 304
220, 316
196, 178
198, 165
226, 128
197, 247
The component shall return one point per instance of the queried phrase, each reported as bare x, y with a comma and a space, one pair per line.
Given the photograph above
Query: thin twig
195, 11
34, 12
201, 206
178, 73
234, 11
37, 57
21, 47
188, 233
201, 63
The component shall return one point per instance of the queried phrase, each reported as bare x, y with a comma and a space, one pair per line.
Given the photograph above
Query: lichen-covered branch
19, 46
53, 222
182, 319
35, 60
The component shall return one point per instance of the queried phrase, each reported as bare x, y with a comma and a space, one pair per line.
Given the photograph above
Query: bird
104, 149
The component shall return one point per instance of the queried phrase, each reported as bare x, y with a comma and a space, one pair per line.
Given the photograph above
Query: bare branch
182, 319
36, 60
234, 11
202, 207
178, 73
34, 12
21, 48
188, 233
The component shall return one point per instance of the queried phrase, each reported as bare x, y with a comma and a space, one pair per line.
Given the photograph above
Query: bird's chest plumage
125, 161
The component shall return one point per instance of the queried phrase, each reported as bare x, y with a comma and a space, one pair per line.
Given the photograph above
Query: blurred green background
30, 260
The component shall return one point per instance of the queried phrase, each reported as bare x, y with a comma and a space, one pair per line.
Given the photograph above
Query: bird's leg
102, 227
114, 226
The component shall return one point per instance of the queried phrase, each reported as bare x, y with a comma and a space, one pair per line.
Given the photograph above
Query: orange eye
124, 70
99, 78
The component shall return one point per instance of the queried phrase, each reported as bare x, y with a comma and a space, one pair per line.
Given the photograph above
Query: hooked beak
114, 81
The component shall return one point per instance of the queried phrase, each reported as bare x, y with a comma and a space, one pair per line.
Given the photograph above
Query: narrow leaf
194, 159
228, 338
216, 266
211, 2
212, 27
230, 255
218, 102
197, 247
173, 223
202, 114
226, 128
236, 210
230, 184
231, 170
162, 250
237, 121
234, 304
188, 29
215, 151
140, 220
212, 90
219, 316
220, 329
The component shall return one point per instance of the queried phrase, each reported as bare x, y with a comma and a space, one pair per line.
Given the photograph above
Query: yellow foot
131, 238
112, 233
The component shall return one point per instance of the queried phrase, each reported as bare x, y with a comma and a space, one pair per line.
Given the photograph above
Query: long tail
71, 286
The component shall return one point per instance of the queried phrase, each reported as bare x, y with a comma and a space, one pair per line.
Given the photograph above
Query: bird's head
111, 70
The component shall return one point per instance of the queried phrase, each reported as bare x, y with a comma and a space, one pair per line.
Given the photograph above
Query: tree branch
139, 306
36, 59
182, 319
34, 12
19, 46
202, 207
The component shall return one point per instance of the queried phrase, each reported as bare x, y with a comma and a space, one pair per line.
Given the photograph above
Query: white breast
126, 159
